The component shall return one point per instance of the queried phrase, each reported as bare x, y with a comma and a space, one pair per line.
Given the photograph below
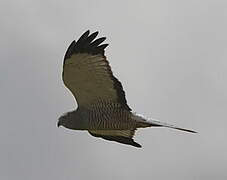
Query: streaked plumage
102, 106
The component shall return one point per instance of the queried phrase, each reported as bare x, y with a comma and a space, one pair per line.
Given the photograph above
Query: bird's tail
155, 123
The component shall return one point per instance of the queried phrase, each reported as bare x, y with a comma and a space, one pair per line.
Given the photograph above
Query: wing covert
88, 75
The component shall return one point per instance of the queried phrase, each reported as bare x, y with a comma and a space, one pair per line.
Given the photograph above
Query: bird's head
65, 118
73, 120
68, 120
62, 121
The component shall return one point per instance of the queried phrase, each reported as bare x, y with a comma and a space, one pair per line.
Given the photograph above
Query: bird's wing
120, 136
87, 73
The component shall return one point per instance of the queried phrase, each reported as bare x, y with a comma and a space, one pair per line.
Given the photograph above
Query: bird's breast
110, 117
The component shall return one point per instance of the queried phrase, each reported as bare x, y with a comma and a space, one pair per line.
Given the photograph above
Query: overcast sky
171, 57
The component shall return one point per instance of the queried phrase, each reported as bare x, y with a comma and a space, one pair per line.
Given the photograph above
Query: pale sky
171, 57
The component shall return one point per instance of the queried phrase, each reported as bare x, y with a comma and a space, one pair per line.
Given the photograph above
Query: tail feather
161, 124
153, 122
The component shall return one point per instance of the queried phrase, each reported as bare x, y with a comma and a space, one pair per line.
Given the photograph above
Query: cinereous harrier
102, 106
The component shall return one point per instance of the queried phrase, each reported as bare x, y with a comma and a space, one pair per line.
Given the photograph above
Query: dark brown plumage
102, 107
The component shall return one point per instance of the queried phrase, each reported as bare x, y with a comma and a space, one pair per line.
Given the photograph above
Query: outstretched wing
87, 73
120, 136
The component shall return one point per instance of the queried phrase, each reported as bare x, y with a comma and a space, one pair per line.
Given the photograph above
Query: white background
171, 59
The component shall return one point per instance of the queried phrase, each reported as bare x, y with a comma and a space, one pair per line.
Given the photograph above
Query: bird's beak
58, 124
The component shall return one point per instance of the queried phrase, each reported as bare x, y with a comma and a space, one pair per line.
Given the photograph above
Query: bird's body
102, 106
108, 117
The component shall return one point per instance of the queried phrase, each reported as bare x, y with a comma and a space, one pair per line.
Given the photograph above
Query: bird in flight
102, 107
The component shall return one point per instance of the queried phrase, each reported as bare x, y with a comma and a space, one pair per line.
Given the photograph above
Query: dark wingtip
83, 37
135, 144
86, 33
98, 41
120, 139
96, 33
90, 38
87, 44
